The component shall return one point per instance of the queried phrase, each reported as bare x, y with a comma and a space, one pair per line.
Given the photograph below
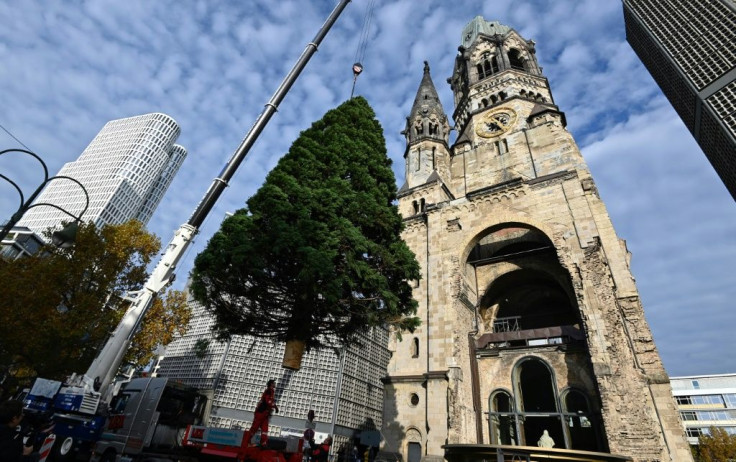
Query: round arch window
414, 399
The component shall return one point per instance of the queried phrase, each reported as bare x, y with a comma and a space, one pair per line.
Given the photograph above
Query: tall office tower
689, 47
531, 321
126, 170
343, 388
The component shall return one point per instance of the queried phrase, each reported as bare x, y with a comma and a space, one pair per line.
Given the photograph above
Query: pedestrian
322, 452
11, 442
265, 407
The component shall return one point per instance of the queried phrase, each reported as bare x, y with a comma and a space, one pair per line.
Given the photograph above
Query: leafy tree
59, 306
167, 317
316, 256
718, 446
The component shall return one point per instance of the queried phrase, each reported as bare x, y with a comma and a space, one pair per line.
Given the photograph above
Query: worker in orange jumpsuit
264, 409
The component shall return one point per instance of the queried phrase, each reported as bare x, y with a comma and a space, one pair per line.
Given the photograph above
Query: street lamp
63, 238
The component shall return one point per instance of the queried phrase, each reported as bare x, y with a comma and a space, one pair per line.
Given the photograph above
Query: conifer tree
316, 257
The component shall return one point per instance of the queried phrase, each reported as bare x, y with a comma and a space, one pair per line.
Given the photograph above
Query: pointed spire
427, 98
427, 118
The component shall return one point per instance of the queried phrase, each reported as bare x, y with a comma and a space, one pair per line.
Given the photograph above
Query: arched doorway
536, 398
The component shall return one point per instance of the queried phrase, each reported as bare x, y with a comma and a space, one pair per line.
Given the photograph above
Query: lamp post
63, 238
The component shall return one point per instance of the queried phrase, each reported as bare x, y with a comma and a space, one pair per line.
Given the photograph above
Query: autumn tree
59, 306
716, 446
316, 257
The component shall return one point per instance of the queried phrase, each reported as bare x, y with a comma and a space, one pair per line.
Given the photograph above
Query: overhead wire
14, 137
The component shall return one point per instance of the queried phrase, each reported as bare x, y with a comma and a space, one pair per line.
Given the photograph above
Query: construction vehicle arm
103, 369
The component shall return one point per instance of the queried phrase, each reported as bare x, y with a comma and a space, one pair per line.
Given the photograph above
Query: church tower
531, 320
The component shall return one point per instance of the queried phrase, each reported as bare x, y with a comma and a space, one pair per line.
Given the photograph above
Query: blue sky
66, 68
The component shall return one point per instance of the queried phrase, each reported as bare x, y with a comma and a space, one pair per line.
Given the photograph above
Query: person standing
322, 452
11, 442
265, 407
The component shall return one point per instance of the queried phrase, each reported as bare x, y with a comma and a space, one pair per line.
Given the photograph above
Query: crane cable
362, 44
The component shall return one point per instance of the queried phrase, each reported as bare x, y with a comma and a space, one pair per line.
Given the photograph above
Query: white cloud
212, 66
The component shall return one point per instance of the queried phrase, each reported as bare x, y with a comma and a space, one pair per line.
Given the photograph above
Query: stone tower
531, 320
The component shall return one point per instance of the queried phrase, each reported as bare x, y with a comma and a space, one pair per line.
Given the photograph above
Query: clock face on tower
495, 123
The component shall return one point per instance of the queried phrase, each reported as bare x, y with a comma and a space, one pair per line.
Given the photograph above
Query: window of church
535, 409
502, 146
502, 419
579, 421
537, 399
487, 66
515, 60
414, 399
415, 347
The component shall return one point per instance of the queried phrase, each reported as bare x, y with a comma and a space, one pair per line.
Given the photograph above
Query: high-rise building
706, 401
126, 170
20, 242
689, 47
533, 332
343, 387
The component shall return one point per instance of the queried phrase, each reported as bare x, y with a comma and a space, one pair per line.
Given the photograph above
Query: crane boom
102, 371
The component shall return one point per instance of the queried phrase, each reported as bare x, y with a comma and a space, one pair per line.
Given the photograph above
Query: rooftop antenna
362, 44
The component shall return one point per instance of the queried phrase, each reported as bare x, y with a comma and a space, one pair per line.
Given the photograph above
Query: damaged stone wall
630, 416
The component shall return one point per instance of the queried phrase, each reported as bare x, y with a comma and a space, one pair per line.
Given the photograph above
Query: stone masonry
531, 320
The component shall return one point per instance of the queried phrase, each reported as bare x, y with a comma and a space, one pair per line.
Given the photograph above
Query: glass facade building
126, 170
689, 47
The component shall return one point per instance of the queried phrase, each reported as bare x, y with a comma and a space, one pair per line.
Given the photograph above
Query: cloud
67, 70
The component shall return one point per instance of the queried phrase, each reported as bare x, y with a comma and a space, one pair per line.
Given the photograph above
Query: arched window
419, 127
579, 421
502, 418
479, 68
536, 397
515, 60
414, 445
487, 66
415, 347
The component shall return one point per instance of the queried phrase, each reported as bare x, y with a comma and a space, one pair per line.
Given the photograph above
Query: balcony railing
553, 335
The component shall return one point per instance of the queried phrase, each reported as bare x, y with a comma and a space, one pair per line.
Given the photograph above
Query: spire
427, 118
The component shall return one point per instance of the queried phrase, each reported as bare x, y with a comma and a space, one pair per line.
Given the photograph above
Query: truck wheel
108, 456
64, 449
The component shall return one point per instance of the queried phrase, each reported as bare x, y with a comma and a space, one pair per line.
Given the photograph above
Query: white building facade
126, 170
342, 386
705, 401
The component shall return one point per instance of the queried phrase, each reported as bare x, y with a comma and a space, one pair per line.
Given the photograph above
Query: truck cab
148, 417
